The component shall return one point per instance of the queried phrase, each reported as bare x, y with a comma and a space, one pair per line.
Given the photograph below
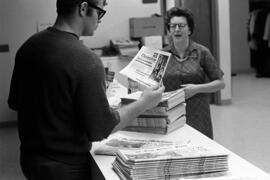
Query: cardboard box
149, 26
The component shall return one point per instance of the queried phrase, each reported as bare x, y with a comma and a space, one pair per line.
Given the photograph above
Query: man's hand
151, 97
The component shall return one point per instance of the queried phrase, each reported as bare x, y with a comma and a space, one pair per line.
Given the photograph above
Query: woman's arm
213, 86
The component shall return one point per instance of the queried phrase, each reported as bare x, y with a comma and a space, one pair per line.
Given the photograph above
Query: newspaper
166, 96
115, 142
170, 162
147, 67
171, 152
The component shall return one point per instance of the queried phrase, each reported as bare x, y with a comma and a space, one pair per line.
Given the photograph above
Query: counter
237, 165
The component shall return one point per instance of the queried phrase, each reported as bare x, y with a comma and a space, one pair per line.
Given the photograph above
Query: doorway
205, 32
259, 36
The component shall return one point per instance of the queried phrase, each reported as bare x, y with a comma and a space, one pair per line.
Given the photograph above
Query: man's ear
83, 7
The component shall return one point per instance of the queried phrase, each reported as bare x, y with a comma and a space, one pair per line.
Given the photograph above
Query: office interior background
242, 118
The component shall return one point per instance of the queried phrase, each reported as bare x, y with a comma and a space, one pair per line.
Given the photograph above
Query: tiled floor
243, 127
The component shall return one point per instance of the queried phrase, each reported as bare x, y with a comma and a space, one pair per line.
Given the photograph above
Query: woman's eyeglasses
180, 25
100, 12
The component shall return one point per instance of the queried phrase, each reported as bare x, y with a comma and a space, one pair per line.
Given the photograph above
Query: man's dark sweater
58, 90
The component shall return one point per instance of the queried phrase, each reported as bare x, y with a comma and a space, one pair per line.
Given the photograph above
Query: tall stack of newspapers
168, 116
171, 162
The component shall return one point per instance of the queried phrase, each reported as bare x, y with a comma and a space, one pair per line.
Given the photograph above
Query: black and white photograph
78, 75
159, 68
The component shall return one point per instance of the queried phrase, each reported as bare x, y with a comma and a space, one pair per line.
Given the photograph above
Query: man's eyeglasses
180, 25
100, 12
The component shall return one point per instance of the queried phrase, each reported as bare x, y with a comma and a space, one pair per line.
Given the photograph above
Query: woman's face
179, 29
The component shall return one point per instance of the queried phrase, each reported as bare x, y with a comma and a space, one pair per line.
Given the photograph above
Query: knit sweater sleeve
91, 105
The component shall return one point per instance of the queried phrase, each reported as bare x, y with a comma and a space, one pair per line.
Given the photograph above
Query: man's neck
67, 25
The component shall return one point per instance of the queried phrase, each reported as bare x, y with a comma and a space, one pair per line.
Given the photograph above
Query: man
58, 90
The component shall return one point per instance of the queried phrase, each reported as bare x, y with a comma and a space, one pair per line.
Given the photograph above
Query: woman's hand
190, 90
213, 86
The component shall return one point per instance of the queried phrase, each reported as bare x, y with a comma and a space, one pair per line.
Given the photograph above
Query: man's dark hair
67, 7
180, 12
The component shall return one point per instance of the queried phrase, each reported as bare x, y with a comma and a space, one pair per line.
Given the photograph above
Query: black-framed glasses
100, 12
180, 25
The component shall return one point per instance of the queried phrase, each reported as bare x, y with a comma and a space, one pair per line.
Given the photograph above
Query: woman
193, 68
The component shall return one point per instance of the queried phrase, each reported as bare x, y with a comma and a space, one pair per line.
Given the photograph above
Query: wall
18, 21
115, 23
240, 55
224, 49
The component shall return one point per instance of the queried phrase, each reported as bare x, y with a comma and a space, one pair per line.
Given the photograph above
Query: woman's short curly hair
180, 12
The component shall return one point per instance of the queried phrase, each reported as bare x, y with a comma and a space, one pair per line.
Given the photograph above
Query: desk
237, 165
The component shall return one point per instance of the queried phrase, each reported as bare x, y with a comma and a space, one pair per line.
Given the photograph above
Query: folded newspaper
147, 67
169, 99
169, 153
116, 142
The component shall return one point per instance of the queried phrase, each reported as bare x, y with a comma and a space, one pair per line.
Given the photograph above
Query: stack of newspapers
168, 116
171, 162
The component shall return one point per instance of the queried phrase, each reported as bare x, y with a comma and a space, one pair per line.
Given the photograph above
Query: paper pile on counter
169, 162
168, 116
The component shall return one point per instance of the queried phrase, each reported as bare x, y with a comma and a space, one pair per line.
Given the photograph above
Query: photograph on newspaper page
147, 67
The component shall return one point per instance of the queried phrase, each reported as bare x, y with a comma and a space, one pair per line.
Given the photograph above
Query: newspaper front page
147, 67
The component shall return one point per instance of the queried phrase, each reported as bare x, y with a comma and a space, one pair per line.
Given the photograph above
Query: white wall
224, 48
170, 4
17, 23
115, 23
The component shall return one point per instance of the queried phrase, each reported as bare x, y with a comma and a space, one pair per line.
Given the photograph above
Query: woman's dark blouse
198, 68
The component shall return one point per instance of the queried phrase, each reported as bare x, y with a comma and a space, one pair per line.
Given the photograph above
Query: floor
9, 154
243, 127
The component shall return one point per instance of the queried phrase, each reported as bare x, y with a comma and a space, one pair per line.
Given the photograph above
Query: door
204, 12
